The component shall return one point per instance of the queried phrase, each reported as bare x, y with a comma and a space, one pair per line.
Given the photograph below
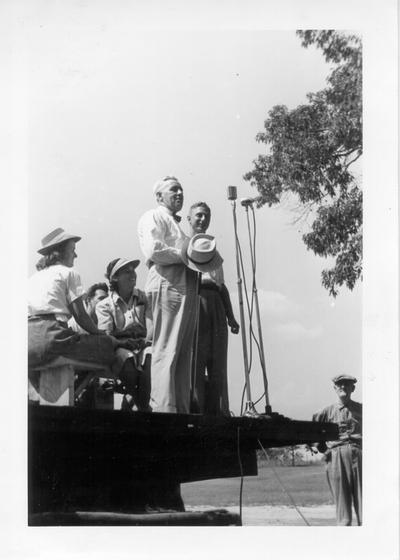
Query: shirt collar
341, 406
116, 297
168, 211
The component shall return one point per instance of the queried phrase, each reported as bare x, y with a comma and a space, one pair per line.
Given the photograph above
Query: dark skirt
49, 339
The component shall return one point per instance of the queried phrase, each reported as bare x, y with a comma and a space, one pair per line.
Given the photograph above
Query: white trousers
171, 293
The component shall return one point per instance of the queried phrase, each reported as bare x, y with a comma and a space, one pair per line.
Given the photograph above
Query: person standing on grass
215, 315
344, 456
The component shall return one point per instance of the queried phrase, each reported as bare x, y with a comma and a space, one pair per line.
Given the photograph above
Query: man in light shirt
170, 290
215, 315
344, 456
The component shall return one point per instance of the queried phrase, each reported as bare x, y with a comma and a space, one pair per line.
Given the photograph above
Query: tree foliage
288, 456
310, 152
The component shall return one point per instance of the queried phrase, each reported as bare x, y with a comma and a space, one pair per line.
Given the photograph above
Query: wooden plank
218, 517
166, 427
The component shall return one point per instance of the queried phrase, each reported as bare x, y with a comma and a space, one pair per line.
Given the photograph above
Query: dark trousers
49, 338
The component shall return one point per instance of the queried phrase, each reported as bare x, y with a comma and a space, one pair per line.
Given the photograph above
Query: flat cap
343, 377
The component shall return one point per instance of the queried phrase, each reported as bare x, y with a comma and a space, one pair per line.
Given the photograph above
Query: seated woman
124, 314
55, 293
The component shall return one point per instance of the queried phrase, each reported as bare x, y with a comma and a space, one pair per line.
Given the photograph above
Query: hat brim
350, 380
51, 246
215, 263
134, 262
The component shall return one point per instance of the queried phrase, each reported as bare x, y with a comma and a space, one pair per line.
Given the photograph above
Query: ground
277, 496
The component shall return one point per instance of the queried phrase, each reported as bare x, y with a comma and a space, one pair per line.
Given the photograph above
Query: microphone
232, 193
247, 201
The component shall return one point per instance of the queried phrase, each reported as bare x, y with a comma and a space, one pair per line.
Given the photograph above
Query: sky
111, 110
100, 100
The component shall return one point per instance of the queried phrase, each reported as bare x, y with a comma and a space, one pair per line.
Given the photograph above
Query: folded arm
153, 233
80, 315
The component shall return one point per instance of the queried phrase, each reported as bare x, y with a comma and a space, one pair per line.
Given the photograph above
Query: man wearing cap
170, 289
344, 456
215, 315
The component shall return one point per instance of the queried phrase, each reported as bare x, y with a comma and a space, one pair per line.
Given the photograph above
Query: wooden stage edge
112, 465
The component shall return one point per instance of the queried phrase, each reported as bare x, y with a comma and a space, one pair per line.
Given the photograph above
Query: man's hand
313, 449
318, 447
130, 343
234, 326
115, 341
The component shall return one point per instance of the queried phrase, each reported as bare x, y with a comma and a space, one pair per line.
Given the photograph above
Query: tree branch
353, 160
345, 154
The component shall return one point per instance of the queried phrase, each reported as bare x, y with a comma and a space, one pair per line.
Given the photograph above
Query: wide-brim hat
345, 378
200, 253
54, 238
121, 263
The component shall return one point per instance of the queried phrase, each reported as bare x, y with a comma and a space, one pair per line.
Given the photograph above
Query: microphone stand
249, 409
268, 409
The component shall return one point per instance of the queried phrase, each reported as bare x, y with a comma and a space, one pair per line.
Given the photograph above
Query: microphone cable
288, 494
241, 476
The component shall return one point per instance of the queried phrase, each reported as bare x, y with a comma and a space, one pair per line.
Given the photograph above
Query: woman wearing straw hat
55, 293
123, 314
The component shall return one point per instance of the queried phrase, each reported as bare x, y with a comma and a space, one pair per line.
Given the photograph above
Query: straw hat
200, 253
54, 238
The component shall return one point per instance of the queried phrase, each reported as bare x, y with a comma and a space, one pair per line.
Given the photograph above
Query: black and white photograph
203, 320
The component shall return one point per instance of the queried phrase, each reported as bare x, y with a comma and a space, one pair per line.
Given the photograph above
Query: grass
306, 485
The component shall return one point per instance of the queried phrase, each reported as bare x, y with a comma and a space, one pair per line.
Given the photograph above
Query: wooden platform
130, 463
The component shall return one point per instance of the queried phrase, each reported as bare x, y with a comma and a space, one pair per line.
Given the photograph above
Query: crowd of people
167, 344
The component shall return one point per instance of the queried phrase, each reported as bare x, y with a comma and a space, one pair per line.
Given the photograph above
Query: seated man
95, 293
99, 392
